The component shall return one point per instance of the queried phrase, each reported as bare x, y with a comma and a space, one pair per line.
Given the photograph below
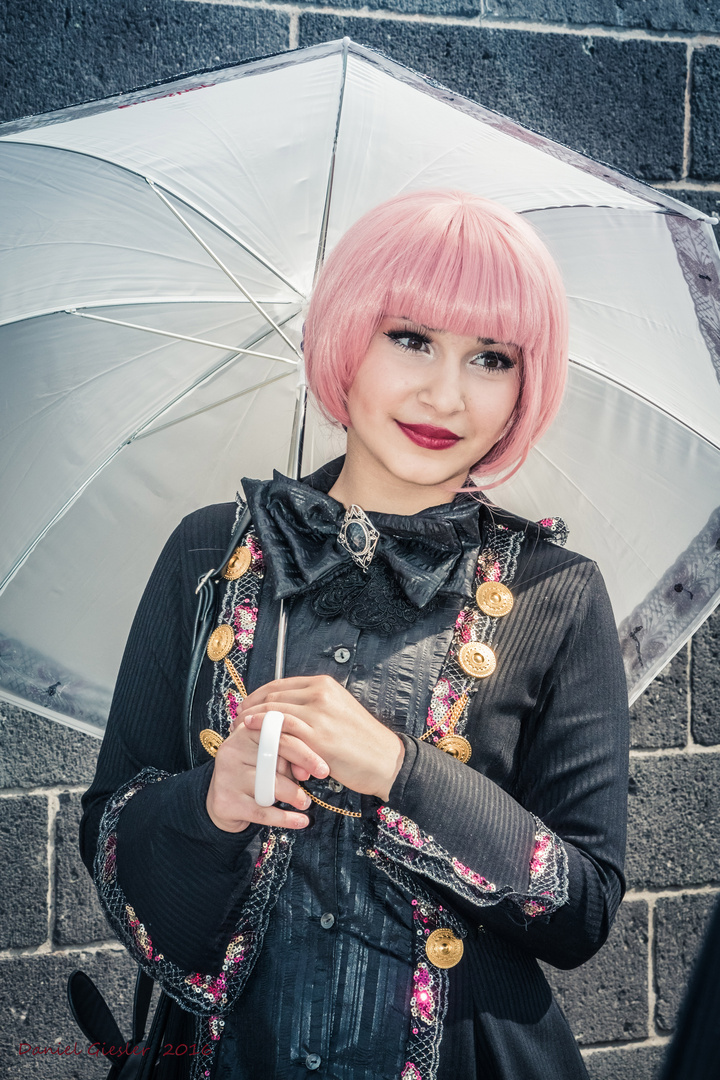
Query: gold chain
455, 714
327, 806
234, 675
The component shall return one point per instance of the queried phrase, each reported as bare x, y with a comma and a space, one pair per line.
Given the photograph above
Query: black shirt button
342, 655
335, 785
327, 920
313, 1062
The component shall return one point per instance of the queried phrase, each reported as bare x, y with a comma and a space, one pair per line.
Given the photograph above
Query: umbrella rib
225, 269
134, 301
231, 235
180, 198
207, 408
19, 562
641, 397
180, 337
331, 171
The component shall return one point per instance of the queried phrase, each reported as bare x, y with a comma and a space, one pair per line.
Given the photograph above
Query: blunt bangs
455, 262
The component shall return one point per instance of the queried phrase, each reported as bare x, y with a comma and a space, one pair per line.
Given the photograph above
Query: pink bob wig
454, 261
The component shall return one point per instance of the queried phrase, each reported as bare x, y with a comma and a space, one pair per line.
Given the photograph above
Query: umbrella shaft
294, 469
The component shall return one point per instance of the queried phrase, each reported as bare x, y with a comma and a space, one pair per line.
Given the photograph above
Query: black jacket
549, 738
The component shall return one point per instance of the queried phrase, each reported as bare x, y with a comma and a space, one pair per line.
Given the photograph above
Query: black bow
298, 525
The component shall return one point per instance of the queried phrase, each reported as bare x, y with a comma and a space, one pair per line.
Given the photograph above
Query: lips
429, 437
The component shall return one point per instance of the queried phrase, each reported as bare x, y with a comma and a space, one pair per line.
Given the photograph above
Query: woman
397, 936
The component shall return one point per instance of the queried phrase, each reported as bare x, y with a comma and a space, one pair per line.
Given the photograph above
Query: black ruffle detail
370, 600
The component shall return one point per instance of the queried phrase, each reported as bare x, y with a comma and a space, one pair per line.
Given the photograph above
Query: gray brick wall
635, 83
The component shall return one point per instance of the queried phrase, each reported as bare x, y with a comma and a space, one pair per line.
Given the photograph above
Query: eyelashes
401, 337
500, 360
416, 341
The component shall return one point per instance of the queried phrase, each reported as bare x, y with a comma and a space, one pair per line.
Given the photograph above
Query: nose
442, 388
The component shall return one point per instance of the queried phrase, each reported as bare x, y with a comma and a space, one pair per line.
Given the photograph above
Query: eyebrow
434, 330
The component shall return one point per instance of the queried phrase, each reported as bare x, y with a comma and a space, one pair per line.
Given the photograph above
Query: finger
273, 815
293, 747
260, 696
288, 792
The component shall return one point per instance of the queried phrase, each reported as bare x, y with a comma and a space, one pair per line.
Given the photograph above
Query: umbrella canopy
156, 253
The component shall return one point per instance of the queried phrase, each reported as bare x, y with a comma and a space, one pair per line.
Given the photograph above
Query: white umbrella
147, 240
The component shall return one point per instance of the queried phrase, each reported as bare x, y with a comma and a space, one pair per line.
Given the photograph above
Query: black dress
518, 852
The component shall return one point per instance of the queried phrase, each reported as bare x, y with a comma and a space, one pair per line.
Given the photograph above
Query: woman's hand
231, 796
362, 753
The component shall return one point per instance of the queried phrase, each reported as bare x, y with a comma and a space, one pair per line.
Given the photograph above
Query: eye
492, 360
409, 339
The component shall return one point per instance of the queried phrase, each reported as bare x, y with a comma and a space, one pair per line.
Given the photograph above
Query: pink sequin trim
539, 859
442, 700
140, 935
422, 1005
245, 619
467, 874
410, 1072
405, 826
233, 700
258, 563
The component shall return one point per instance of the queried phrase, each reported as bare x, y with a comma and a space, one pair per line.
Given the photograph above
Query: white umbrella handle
267, 758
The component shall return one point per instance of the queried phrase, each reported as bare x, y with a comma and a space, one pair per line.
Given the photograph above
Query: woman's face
426, 405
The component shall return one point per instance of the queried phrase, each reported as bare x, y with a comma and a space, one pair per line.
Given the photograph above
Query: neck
364, 482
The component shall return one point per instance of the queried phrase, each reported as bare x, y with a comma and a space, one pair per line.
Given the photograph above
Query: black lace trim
370, 600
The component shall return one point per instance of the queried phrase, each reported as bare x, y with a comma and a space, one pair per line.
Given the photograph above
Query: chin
427, 474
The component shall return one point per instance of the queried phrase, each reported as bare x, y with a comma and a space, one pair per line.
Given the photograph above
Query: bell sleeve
188, 900
540, 864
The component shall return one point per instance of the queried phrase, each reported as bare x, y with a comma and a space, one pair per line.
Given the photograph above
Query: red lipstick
429, 437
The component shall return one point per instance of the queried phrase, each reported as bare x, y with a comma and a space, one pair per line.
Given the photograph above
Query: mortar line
294, 29
685, 185
686, 115
670, 891
619, 33
630, 1044
13, 792
677, 751
652, 992
93, 947
53, 807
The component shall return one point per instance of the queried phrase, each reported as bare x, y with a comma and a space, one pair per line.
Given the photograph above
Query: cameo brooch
359, 536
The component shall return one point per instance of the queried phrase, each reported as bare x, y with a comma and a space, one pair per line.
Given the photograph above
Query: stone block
704, 96
24, 886
35, 752
619, 101
78, 916
35, 1011
606, 998
705, 681
58, 54
680, 924
674, 820
659, 716
632, 1063
644, 14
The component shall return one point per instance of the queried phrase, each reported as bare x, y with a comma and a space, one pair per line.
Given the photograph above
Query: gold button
443, 949
477, 659
238, 563
211, 741
493, 598
456, 746
220, 642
